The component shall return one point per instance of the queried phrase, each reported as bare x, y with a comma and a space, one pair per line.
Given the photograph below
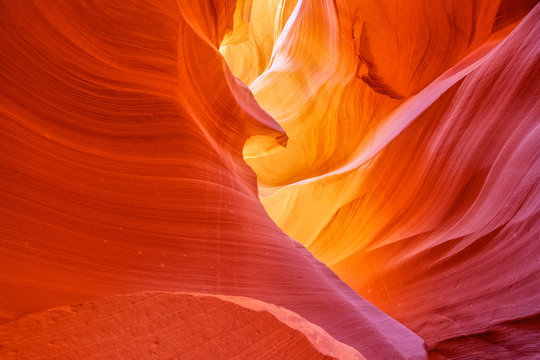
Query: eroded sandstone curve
159, 325
121, 170
412, 167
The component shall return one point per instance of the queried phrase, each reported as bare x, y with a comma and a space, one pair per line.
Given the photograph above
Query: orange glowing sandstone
411, 169
412, 162
121, 171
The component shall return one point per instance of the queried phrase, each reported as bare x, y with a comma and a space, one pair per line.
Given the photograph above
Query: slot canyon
269, 179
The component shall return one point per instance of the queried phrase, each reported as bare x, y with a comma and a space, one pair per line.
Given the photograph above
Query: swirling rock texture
132, 227
122, 132
412, 168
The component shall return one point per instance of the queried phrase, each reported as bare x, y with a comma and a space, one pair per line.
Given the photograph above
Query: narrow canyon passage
268, 179
411, 168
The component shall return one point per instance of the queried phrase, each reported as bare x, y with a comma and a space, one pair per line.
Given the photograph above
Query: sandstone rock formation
412, 168
361, 178
159, 325
122, 132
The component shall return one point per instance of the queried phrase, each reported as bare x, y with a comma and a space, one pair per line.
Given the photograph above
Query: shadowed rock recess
269, 179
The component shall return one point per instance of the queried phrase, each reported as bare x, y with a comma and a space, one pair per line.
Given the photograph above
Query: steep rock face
412, 165
411, 170
161, 325
121, 170
340, 67
257, 26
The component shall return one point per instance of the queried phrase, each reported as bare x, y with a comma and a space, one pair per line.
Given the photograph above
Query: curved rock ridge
121, 170
412, 167
159, 325
336, 62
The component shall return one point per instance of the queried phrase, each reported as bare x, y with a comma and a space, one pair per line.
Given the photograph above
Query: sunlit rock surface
399, 144
412, 167
121, 171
